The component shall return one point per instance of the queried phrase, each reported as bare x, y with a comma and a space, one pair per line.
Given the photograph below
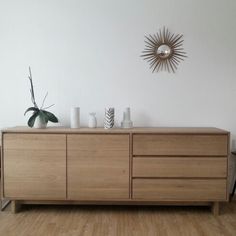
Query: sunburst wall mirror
164, 51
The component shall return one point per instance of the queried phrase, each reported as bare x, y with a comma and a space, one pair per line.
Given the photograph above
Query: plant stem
44, 108
44, 100
32, 89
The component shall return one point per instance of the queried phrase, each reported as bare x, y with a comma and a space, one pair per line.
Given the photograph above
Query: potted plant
40, 116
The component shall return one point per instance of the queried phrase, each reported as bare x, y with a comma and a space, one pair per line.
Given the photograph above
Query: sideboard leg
15, 206
216, 208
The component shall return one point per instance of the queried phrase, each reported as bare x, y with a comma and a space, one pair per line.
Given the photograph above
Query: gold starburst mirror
164, 51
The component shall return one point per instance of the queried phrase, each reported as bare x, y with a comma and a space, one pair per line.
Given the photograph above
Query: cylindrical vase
109, 117
75, 117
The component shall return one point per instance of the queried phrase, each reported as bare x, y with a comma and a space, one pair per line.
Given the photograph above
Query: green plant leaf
32, 119
51, 117
31, 109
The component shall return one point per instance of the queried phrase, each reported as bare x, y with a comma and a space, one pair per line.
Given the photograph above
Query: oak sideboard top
156, 130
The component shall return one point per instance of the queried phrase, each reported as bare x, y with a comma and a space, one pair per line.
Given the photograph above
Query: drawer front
179, 189
180, 167
182, 144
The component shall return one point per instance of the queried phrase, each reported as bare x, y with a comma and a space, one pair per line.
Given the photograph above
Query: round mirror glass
163, 51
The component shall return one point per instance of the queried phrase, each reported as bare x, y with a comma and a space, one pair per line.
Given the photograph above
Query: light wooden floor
118, 220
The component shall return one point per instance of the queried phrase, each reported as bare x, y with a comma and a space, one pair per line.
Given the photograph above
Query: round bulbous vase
92, 120
40, 123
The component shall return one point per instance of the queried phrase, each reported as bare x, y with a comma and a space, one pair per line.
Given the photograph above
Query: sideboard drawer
182, 144
203, 167
180, 189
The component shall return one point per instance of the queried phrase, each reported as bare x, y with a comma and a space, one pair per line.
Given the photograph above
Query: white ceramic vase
40, 123
75, 117
92, 120
126, 123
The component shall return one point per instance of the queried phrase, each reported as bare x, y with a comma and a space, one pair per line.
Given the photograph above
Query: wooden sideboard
118, 166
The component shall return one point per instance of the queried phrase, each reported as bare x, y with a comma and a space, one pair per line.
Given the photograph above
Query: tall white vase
75, 117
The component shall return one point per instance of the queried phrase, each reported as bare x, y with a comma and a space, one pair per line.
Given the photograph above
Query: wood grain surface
98, 166
180, 189
174, 145
34, 166
175, 167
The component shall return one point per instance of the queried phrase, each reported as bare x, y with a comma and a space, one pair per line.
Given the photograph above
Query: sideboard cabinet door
34, 166
98, 166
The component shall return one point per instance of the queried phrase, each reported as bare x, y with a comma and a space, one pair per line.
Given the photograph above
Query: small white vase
92, 120
40, 123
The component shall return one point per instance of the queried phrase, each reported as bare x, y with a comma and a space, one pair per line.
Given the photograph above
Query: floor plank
118, 220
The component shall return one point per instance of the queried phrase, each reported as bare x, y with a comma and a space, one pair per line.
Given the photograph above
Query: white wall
87, 53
